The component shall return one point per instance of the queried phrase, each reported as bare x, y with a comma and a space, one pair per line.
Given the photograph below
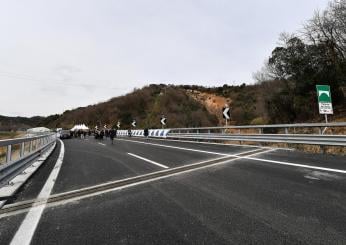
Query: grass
10, 134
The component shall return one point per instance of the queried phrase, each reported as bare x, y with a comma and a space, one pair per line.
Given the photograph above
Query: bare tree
329, 28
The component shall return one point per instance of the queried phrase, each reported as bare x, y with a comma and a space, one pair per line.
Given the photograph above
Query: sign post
324, 100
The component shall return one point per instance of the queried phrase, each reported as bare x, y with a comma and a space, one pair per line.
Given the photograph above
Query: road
139, 191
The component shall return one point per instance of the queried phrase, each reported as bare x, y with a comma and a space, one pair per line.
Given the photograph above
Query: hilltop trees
317, 57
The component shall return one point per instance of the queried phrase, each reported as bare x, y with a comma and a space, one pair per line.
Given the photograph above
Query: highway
151, 191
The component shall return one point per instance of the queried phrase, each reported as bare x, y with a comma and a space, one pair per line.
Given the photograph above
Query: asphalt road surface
139, 191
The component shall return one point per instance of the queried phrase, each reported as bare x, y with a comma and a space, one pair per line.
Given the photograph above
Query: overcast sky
62, 54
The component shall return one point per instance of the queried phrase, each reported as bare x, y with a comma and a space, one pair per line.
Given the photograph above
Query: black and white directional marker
163, 121
134, 123
226, 113
118, 124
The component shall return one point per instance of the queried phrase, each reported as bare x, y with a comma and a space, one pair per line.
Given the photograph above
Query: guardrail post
30, 148
286, 130
260, 131
9, 153
22, 148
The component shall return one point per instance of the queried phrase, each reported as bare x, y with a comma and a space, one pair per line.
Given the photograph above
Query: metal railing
233, 133
16, 153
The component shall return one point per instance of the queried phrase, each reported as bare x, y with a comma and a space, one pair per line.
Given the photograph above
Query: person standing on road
112, 134
146, 133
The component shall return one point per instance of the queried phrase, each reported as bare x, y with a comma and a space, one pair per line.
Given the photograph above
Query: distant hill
23, 123
184, 106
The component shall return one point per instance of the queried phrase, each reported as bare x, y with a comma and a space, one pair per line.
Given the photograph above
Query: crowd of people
79, 134
101, 134
108, 133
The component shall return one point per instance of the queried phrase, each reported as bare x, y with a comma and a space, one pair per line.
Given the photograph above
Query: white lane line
250, 158
223, 144
147, 160
27, 228
297, 165
63, 202
101, 144
178, 148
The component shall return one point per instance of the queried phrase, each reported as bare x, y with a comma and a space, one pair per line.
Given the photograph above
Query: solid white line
137, 183
101, 144
147, 160
27, 228
297, 165
178, 148
214, 143
62, 202
247, 157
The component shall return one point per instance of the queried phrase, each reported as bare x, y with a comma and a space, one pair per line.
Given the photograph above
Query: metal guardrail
15, 153
297, 125
224, 134
332, 140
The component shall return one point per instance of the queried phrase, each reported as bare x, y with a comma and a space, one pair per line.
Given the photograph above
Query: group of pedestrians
100, 134
79, 134
112, 133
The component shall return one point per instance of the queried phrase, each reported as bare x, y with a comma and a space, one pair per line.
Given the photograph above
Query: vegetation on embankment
284, 93
10, 134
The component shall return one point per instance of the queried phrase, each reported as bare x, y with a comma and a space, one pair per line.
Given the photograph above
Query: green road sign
324, 99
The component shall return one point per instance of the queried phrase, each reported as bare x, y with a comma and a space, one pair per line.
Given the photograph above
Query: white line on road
62, 202
248, 157
179, 148
147, 160
297, 165
27, 228
101, 144
223, 144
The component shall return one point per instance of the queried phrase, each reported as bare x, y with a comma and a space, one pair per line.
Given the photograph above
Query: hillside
184, 106
146, 105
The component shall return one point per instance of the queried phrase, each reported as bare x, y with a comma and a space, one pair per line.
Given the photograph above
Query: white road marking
27, 228
224, 144
186, 149
297, 165
101, 144
150, 180
247, 157
63, 202
147, 160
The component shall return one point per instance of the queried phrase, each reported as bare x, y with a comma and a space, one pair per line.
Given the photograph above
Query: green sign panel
324, 99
